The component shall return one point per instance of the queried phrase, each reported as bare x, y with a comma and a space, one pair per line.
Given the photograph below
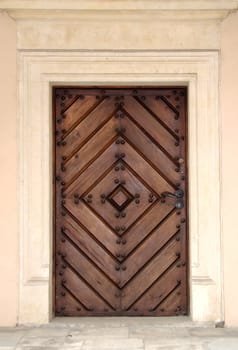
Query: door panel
120, 202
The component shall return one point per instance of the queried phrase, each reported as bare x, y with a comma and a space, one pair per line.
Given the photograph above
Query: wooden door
120, 201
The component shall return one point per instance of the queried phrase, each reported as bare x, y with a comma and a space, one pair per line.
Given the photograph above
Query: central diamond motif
120, 197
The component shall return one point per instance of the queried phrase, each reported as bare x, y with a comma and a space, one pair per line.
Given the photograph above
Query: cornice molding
163, 9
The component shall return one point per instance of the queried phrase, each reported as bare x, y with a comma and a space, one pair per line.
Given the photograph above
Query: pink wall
229, 110
8, 161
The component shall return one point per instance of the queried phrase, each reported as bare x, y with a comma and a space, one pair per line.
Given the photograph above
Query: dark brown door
120, 201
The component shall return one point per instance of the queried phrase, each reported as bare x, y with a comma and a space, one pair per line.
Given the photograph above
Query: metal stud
176, 117
183, 220
123, 215
117, 228
150, 200
178, 226
58, 178
162, 200
123, 228
63, 294
123, 268
64, 158
177, 238
137, 195
118, 241
76, 195
103, 196
177, 170
123, 182
123, 241
117, 267
118, 142
103, 201
116, 181
62, 183
123, 155
177, 131
176, 143
122, 142
90, 195
117, 215
137, 201
64, 143
122, 168
117, 168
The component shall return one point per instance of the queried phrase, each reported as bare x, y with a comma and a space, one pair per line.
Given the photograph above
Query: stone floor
120, 334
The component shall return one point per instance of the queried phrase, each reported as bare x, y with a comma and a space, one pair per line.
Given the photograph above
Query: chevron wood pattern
120, 233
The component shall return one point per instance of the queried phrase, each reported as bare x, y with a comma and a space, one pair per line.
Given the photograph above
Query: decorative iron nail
59, 121
137, 195
123, 215
135, 92
123, 228
63, 294
176, 158
58, 178
183, 177
182, 138
176, 117
178, 254
123, 155
150, 200
176, 144
178, 226
90, 195
162, 200
64, 266
177, 170
183, 220
178, 212
64, 131
117, 267
123, 268
64, 143
137, 201
63, 240
117, 215
64, 280
103, 201
76, 201
76, 195
123, 241
177, 238
58, 143
184, 263
177, 131
118, 241
78, 308
151, 195
117, 228
64, 158
179, 281
61, 273
118, 141
116, 181
122, 168
123, 130
63, 168
62, 183
103, 196
63, 202
122, 142
178, 265
118, 255
63, 98
117, 168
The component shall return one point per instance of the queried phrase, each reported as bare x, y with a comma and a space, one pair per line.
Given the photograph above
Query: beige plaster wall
8, 174
229, 99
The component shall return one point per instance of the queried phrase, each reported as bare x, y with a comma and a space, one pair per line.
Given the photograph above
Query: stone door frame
38, 72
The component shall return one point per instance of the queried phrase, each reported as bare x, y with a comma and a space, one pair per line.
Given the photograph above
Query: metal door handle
178, 195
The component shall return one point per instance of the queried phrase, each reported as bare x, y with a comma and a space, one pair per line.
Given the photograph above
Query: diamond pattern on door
120, 227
